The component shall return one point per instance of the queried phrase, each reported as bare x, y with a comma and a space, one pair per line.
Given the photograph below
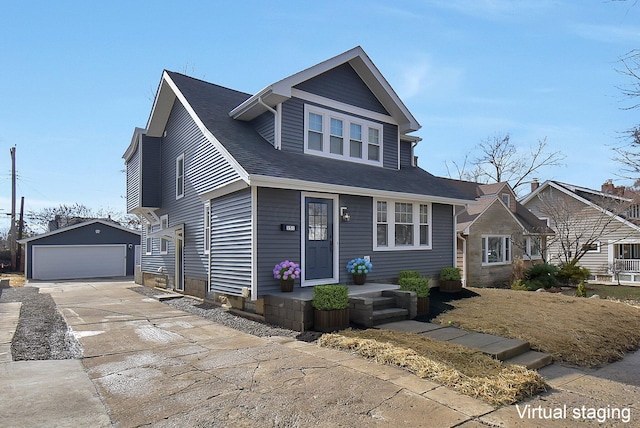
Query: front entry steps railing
382, 307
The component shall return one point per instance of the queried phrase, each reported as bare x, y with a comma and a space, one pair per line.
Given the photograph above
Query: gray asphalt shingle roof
212, 104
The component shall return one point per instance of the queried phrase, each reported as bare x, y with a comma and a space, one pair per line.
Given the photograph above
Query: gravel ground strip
217, 314
42, 333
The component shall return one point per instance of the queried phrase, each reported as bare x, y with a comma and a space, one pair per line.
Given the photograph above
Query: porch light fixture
97, 231
344, 213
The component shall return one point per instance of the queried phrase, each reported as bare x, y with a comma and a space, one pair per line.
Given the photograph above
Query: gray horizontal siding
405, 154
264, 124
151, 171
231, 243
390, 146
343, 84
276, 207
133, 181
182, 136
209, 168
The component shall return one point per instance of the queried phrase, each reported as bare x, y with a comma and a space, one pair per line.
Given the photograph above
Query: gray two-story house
317, 168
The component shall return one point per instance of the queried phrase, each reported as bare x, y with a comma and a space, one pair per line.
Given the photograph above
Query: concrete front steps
382, 307
510, 351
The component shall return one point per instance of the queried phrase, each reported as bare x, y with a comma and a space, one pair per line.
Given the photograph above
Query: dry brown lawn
468, 372
580, 331
15, 279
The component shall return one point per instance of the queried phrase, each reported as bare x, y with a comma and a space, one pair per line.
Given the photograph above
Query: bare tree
578, 227
67, 215
629, 153
500, 160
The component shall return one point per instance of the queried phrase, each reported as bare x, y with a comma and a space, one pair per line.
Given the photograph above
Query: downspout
413, 156
276, 121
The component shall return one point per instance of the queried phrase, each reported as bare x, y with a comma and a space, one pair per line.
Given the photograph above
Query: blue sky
77, 77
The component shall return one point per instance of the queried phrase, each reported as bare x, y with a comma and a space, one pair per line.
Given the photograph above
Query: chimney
608, 187
534, 184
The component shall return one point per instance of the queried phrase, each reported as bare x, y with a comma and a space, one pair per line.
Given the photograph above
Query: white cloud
421, 77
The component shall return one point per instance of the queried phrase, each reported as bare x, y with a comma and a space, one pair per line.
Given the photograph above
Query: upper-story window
634, 211
506, 198
180, 176
337, 135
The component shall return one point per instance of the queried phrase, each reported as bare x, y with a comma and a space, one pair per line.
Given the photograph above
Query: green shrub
571, 273
450, 274
330, 297
543, 274
519, 284
419, 285
581, 291
408, 274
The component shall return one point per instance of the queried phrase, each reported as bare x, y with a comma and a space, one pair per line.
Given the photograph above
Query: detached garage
93, 249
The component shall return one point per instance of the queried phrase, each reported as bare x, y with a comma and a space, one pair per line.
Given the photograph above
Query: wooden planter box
327, 321
451, 286
423, 306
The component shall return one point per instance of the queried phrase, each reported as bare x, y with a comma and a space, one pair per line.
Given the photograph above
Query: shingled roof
212, 104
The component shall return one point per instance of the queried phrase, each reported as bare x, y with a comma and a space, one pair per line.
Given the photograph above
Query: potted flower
359, 268
331, 307
410, 280
450, 280
287, 272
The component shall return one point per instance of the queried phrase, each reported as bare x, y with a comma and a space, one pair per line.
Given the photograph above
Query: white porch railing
628, 265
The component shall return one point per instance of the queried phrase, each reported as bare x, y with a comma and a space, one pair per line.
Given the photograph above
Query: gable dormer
342, 108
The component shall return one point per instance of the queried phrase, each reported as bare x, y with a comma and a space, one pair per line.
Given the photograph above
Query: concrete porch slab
410, 326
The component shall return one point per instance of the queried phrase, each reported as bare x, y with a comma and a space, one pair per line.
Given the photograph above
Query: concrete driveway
145, 363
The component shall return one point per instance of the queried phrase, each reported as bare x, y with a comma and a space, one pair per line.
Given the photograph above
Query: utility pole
20, 229
12, 229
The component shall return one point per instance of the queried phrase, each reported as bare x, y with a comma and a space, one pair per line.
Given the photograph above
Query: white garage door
78, 261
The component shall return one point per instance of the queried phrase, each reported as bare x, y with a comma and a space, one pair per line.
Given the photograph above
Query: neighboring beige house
603, 224
493, 232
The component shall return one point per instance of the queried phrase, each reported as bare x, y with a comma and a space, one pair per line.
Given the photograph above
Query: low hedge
330, 297
419, 285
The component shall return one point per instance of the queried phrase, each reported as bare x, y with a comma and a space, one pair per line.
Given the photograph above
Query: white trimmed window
337, 135
180, 176
496, 250
593, 247
164, 244
534, 247
506, 198
207, 227
148, 241
401, 225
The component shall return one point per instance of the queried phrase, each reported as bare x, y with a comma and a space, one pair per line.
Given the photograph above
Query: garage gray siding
231, 243
276, 207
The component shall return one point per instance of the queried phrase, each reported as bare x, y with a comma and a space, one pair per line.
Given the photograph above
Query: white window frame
207, 227
164, 243
347, 120
507, 250
597, 249
180, 178
530, 247
391, 225
148, 241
